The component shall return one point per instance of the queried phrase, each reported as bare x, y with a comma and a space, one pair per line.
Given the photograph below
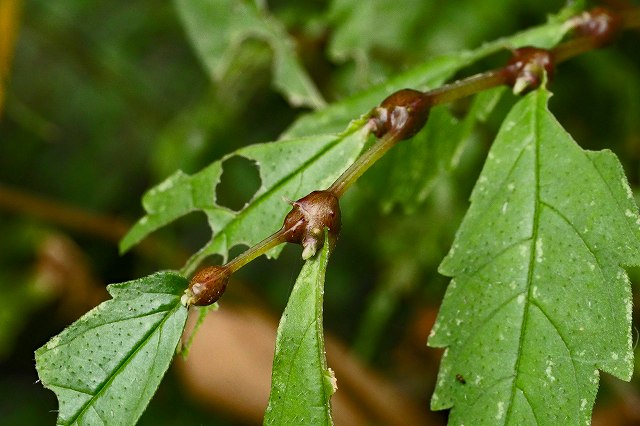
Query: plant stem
572, 48
630, 19
405, 112
467, 87
362, 163
259, 249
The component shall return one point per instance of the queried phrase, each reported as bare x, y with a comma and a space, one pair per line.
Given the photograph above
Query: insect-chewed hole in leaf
191, 230
237, 250
239, 181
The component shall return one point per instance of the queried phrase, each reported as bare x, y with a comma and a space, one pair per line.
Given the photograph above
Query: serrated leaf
301, 383
539, 302
218, 29
290, 169
106, 366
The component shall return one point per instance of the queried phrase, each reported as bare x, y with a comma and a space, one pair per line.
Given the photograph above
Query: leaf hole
239, 182
237, 250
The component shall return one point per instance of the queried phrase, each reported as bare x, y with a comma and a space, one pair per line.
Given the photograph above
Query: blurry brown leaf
63, 269
229, 367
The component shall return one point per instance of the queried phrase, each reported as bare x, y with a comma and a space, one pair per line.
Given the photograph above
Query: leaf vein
536, 131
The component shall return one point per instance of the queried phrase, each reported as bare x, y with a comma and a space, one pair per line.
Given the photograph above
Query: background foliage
103, 101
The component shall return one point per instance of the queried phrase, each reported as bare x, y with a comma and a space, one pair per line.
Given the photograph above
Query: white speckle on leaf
628, 213
614, 356
629, 358
434, 397
165, 185
627, 188
512, 285
539, 250
549, 371
511, 187
535, 291
477, 380
459, 321
483, 179
500, 412
583, 404
53, 342
520, 299
332, 380
592, 266
504, 208
524, 252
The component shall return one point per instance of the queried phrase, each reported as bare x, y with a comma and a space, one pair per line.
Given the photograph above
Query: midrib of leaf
319, 285
294, 396
123, 364
291, 366
532, 257
193, 262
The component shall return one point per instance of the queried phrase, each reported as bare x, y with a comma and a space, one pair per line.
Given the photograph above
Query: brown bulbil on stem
305, 223
527, 67
207, 286
404, 112
600, 24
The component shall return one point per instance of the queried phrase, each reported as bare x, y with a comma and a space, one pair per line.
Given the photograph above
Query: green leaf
218, 28
290, 169
301, 383
539, 302
429, 75
107, 365
334, 117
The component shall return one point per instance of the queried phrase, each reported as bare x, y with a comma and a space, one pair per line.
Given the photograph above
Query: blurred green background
102, 100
